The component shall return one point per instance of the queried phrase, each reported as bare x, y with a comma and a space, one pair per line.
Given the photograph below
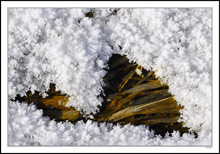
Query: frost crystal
64, 47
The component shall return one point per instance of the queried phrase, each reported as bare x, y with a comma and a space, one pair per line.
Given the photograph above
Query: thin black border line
72, 146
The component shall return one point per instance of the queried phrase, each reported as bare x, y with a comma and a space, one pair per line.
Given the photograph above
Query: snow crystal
76, 68
176, 44
38, 130
64, 47
138, 71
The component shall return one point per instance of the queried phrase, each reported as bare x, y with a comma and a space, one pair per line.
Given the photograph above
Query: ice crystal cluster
65, 47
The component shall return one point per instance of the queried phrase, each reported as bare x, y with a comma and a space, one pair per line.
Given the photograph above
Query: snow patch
64, 47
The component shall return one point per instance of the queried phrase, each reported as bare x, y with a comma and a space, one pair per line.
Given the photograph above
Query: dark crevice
89, 14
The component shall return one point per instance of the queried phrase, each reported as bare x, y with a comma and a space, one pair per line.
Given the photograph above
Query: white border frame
96, 4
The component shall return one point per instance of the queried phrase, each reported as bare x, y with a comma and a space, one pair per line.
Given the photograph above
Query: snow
76, 68
177, 46
138, 71
64, 47
27, 127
